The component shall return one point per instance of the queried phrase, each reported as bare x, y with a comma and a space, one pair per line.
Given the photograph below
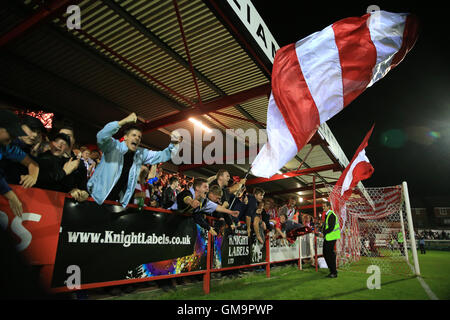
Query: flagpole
239, 191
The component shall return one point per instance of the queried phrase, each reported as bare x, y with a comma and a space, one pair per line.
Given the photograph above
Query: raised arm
235, 187
154, 157
233, 213
105, 140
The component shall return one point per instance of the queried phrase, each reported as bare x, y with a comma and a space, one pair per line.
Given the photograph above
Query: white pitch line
427, 289
424, 285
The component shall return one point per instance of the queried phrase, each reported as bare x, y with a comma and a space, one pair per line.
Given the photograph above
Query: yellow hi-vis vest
400, 237
336, 233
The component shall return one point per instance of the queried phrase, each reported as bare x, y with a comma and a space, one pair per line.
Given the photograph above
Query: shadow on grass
364, 289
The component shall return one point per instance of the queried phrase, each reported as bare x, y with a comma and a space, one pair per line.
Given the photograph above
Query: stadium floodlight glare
200, 124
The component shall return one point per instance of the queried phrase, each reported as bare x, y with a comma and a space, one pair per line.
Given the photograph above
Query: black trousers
422, 248
330, 255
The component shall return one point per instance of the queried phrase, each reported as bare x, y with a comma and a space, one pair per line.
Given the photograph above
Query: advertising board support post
299, 239
315, 217
267, 255
207, 274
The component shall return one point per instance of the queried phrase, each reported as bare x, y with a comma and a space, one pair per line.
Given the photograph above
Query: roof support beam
240, 118
311, 206
207, 107
307, 188
292, 174
187, 167
186, 49
43, 13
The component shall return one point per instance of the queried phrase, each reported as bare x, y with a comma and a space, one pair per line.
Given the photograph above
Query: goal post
411, 228
405, 243
376, 229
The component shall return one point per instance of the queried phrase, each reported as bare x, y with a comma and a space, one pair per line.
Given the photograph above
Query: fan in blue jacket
116, 176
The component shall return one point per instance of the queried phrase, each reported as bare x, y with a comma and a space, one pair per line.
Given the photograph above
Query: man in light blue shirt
116, 176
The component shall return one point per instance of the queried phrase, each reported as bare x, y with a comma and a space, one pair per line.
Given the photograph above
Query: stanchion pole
315, 217
207, 275
267, 256
299, 239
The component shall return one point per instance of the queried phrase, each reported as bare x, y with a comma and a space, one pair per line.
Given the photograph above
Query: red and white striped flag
316, 77
357, 170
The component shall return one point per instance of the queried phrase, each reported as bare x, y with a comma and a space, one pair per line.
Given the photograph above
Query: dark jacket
13, 169
169, 197
250, 208
197, 214
226, 196
265, 217
53, 177
290, 225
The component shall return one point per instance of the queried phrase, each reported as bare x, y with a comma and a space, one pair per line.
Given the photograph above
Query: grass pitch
289, 283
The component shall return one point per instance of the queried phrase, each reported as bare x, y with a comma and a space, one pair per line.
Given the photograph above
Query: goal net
375, 230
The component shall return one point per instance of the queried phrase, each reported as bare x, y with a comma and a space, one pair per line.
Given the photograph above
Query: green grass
435, 270
289, 283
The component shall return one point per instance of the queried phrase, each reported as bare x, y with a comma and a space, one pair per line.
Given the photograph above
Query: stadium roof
164, 60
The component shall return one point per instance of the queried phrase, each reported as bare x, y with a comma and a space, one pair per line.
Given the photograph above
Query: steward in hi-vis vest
335, 232
331, 233
400, 237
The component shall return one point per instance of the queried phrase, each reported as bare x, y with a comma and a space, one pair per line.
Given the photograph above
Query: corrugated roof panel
83, 71
214, 52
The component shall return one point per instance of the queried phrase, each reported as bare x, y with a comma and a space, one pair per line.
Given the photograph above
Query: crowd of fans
121, 171
32, 156
433, 235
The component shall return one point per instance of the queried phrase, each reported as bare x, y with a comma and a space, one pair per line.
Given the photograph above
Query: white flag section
361, 158
318, 76
280, 147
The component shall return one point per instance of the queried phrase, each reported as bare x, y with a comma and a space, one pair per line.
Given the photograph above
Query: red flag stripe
357, 55
292, 96
410, 35
361, 171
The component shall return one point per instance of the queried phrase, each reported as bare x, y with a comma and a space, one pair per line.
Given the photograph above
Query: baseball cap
10, 121
62, 136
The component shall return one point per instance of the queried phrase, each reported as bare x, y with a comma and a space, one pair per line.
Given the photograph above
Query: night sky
410, 106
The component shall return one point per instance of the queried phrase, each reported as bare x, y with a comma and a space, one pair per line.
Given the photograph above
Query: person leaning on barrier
251, 207
194, 201
29, 143
58, 173
115, 177
9, 130
215, 195
169, 195
78, 178
258, 225
222, 179
289, 208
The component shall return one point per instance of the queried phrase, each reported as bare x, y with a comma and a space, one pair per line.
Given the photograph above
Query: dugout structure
376, 229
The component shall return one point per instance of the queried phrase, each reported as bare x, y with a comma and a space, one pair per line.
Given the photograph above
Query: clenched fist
132, 118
